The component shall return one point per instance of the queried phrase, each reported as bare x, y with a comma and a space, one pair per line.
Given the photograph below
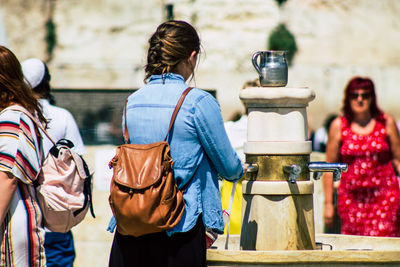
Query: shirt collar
166, 78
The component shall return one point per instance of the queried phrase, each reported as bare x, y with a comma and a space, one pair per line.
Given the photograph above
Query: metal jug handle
254, 60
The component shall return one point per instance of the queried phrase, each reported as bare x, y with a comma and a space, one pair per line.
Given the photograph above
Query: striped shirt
22, 236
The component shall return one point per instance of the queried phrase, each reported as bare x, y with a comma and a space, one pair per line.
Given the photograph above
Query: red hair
13, 89
360, 83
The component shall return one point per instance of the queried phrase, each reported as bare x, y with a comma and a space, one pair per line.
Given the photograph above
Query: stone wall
340, 39
23, 23
102, 44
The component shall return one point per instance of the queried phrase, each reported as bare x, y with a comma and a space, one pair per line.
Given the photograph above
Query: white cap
33, 70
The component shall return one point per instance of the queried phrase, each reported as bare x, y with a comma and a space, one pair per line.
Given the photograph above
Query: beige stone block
277, 113
277, 147
277, 221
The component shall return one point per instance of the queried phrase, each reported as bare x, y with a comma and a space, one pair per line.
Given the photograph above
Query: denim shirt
199, 144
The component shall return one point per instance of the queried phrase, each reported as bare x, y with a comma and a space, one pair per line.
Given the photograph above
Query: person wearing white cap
61, 122
59, 247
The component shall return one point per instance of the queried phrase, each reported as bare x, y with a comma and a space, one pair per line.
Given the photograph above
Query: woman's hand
244, 166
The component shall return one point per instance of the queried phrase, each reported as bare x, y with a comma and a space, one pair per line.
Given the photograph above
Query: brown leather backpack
144, 197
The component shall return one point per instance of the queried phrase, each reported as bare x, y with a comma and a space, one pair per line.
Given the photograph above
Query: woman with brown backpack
199, 147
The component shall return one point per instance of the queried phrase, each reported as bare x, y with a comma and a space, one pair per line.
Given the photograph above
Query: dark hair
359, 83
13, 88
328, 121
43, 89
172, 42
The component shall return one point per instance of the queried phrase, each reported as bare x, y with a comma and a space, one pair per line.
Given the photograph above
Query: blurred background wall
102, 43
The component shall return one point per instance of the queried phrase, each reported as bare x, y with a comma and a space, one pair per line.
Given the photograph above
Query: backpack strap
35, 121
38, 126
126, 133
171, 123
173, 117
87, 190
176, 110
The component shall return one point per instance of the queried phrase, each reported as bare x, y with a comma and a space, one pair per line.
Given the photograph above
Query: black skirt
181, 249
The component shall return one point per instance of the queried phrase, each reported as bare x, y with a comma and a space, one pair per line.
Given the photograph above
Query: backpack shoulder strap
35, 121
38, 126
126, 133
173, 117
176, 110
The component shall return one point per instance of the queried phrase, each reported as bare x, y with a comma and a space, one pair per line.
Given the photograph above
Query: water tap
319, 167
252, 168
293, 171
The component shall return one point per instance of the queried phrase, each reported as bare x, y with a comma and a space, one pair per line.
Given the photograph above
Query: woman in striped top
21, 232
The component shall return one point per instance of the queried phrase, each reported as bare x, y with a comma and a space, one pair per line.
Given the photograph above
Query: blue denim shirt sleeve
112, 224
213, 137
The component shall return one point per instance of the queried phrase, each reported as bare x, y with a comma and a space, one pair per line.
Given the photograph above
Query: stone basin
333, 250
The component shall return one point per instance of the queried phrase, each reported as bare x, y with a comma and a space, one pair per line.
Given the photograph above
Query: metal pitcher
273, 69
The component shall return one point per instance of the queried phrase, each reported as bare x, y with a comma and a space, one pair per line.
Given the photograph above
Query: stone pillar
277, 214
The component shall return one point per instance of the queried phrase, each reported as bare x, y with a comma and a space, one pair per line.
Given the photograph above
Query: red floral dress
369, 194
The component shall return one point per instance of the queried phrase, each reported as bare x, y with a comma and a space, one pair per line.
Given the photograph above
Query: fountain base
333, 250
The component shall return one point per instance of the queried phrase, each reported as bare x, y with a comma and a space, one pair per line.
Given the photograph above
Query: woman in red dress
367, 140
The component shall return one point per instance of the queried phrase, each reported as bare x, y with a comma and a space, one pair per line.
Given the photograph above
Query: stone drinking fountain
277, 205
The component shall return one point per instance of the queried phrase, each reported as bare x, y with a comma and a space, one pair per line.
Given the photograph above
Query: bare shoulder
334, 136
336, 126
389, 119
391, 125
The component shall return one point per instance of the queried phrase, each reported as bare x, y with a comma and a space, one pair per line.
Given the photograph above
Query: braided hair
172, 42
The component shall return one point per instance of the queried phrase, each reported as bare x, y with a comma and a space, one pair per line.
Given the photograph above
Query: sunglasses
364, 95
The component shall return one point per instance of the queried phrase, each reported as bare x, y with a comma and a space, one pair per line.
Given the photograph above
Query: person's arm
394, 140
8, 185
332, 155
213, 137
